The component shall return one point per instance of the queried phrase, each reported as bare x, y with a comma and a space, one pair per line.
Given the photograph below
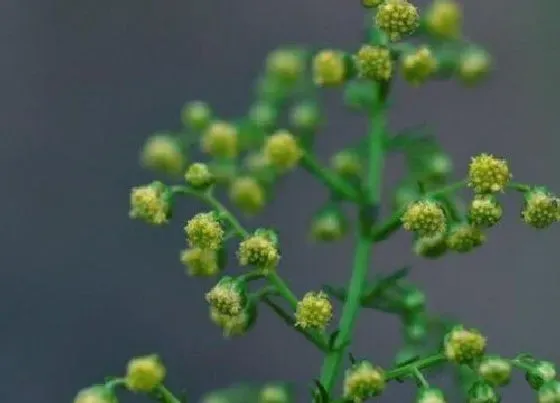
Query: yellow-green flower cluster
474, 65
464, 345
346, 163
314, 311
285, 64
328, 227
200, 262
282, 150
95, 394
464, 237
431, 247
488, 174
260, 251
363, 381
150, 203
495, 370
329, 68
430, 395
541, 373
227, 297
419, 66
397, 18
231, 326
198, 175
549, 392
220, 140
444, 19
263, 115
484, 211
163, 153
425, 217
204, 231
374, 63
305, 116
143, 374
541, 209
196, 115
247, 194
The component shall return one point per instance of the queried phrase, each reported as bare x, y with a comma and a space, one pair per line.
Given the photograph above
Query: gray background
82, 288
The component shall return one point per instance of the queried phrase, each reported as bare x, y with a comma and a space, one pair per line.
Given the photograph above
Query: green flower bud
495, 370
329, 68
541, 373
247, 194
482, 392
198, 176
431, 247
96, 394
419, 66
196, 115
328, 225
143, 374
549, 392
463, 346
274, 394
163, 153
464, 237
305, 116
430, 395
263, 115
363, 381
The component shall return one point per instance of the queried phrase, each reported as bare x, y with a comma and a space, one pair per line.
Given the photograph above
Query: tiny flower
198, 175
143, 374
464, 345
425, 218
482, 392
231, 326
431, 247
263, 115
438, 166
285, 64
200, 262
430, 395
541, 209
247, 194
95, 394
329, 68
204, 231
419, 66
371, 3
163, 153
488, 174
549, 392
363, 381
273, 394
374, 63
464, 237
314, 311
346, 163
227, 297
414, 300
495, 370
220, 140
484, 211
150, 203
474, 65
444, 19
397, 18
282, 150
328, 226
541, 373
305, 116
258, 250
196, 115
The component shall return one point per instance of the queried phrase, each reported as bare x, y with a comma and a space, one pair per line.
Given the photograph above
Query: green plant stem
283, 289
520, 187
372, 189
408, 369
161, 393
165, 396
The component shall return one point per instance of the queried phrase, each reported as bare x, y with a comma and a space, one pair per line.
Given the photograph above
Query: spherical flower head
541, 209
425, 217
419, 66
374, 63
263, 115
371, 3
430, 395
305, 116
150, 203
273, 394
231, 326
549, 392
228, 297
328, 227
462, 346
483, 392
363, 381
220, 140
143, 374
204, 231
397, 18
200, 262
285, 64
438, 166
474, 65
444, 19
464, 237
198, 175
495, 370
488, 174
347, 163
484, 211
314, 311
541, 373
247, 194
431, 247
95, 394
163, 153
196, 115
329, 68
260, 251
282, 150
414, 300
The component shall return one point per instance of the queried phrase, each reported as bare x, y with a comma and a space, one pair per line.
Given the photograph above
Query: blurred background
83, 288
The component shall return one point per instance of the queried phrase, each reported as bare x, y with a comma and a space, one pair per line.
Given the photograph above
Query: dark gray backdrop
82, 288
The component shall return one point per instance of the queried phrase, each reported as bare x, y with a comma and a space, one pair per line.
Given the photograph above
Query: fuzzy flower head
474, 65
198, 175
285, 64
462, 346
464, 237
363, 381
95, 394
426, 218
549, 392
163, 153
397, 18
196, 115
541, 209
374, 63
314, 311
150, 203
430, 395
419, 66
305, 116
484, 211
260, 251
328, 226
231, 326
483, 392
220, 140
263, 115
228, 297
542, 372
444, 19
274, 394
143, 374
347, 163
282, 150
200, 262
495, 370
247, 194
488, 174
329, 68
431, 247
204, 231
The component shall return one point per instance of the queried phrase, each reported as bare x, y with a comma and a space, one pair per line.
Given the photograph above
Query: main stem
368, 212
